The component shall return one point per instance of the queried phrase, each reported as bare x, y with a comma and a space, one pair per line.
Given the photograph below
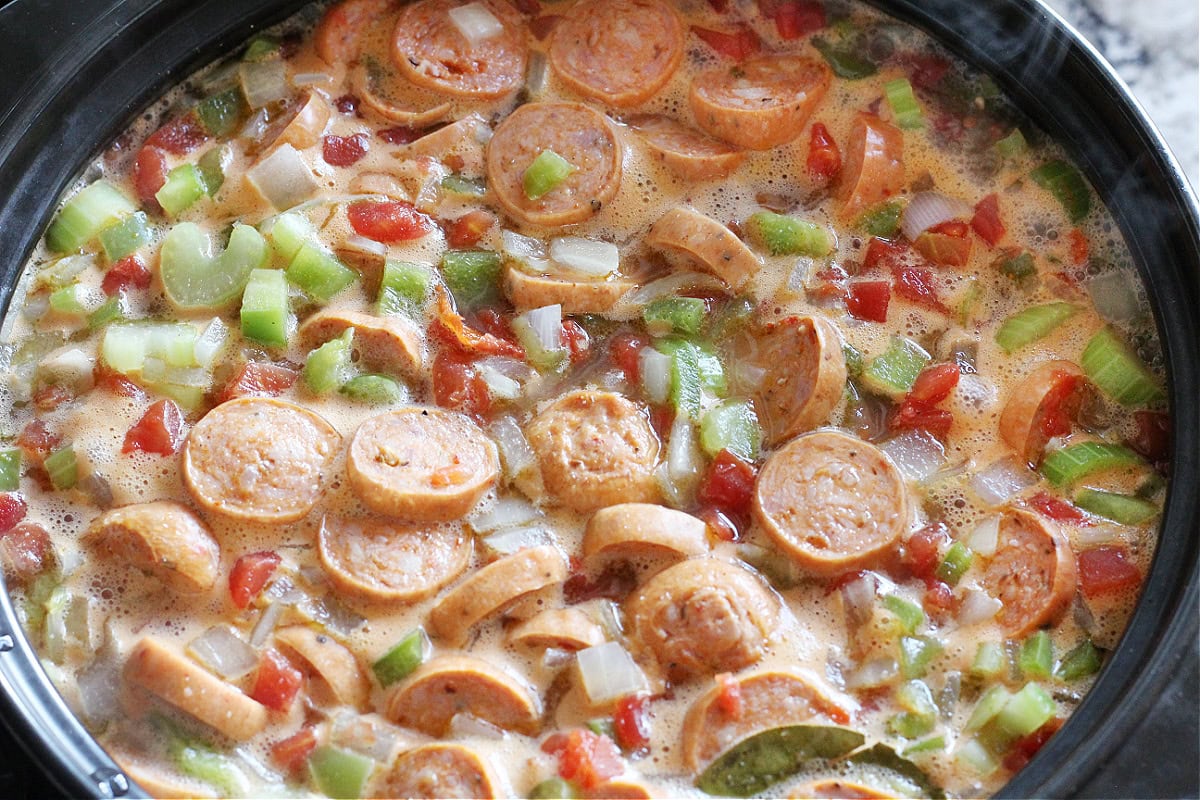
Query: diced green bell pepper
473, 276
1068, 187
893, 372
1082, 660
220, 113
10, 469
545, 174
731, 426
63, 467
882, 220
319, 273
403, 288
339, 773
402, 659
212, 169
781, 235
675, 315
376, 390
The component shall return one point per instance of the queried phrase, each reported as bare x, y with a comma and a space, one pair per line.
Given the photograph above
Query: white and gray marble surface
1155, 46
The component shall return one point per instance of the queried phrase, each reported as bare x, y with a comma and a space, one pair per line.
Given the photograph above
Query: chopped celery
76, 300
731, 426
184, 186
461, 184
545, 174
1122, 508
339, 773
405, 656
125, 236
783, 235
376, 390
319, 273
675, 314
264, 312
403, 288
204, 764
328, 367
194, 279
1082, 660
86, 214
933, 744
919, 713
989, 660
1068, 187
111, 311
220, 113
1037, 655
1026, 711
473, 276
1075, 462
1017, 265
905, 110
916, 653
263, 47
853, 358
554, 789
909, 613
987, 708
956, 562
538, 351
894, 371
881, 220
602, 726
1117, 370
127, 346
1032, 324
973, 754
687, 392
1012, 145
10, 469
910, 725
288, 233
212, 169
844, 59
63, 467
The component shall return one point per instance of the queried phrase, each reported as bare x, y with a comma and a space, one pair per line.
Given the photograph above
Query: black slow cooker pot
76, 72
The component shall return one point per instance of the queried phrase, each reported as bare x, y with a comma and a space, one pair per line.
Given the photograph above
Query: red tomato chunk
277, 682
737, 45
290, 753
12, 510
631, 723
342, 151
986, 222
868, 300
824, 159
149, 174
127, 274
159, 431
467, 230
1058, 509
1107, 570
457, 385
388, 221
250, 574
180, 136
25, 551
728, 483
589, 759
256, 379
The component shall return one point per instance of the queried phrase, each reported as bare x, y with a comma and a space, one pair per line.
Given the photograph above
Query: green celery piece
1012, 145
402, 659
403, 288
1121, 508
125, 236
319, 273
853, 358
1067, 185
263, 47
376, 390
918, 783
602, 726
905, 109
473, 276
90, 211
1082, 660
264, 312
328, 367
126, 346
69, 300
989, 660
731, 426
10, 469
212, 169
217, 770
911, 726
914, 696
1037, 655
289, 232
916, 653
221, 113
1031, 324
1075, 462
63, 467
675, 315
956, 562
1018, 266
784, 235
545, 174
184, 187
1117, 370
1026, 711
933, 744
882, 220
195, 280
712, 373
686, 392
339, 773
987, 708
910, 614
461, 184
554, 789
974, 755
111, 311
764, 759
732, 317
843, 60
893, 372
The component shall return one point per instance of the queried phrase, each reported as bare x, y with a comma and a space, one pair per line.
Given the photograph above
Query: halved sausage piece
576, 297
1042, 406
831, 502
191, 688
762, 103
441, 769
702, 616
493, 588
463, 142
620, 52
620, 789
562, 628
840, 789
162, 538
301, 125
431, 51
804, 378
874, 168
414, 116
595, 449
581, 135
769, 698
259, 459
387, 344
422, 464
687, 235
449, 685
688, 153
338, 37
391, 561
336, 666
633, 528
1032, 573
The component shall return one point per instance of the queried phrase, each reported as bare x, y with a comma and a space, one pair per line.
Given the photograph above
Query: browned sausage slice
631, 528
1047, 397
449, 685
191, 688
694, 238
387, 344
831, 502
302, 124
620, 52
595, 449
421, 464
431, 51
162, 538
336, 666
874, 168
462, 143
338, 37
442, 769
391, 561
576, 297
620, 790
840, 789
761, 104
581, 135
1032, 573
703, 616
563, 628
494, 588
688, 153
259, 459
804, 375
362, 84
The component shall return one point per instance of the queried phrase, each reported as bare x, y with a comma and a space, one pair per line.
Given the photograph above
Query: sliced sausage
688, 153
442, 769
763, 103
301, 125
840, 789
362, 84
462, 143
562, 628
152, 780
702, 616
336, 666
391, 561
1042, 406
581, 135
576, 297
162, 538
874, 168
620, 52
189, 687
449, 685
259, 459
494, 588
620, 790
387, 344
595, 449
631, 528
1032, 573
769, 699
422, 464
804, 375
431, 51
831, 502
694, 238
338, 37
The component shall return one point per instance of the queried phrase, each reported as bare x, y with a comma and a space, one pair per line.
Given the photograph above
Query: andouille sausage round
453, 684
692, 238
687, 152
805, 375
338, 36
338, 669
387, 344
441, 769
525, 290
874, 167
630, 528
163, 538
1033, 572
562, 628
1042, 406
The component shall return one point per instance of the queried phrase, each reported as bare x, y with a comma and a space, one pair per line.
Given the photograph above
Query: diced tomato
986, 221
250, 574
116, 383
1024, 749
36, 441
923, 551
1058, 509
180, 136
388, 221
737, 45
926, 70
149, 174
948, 244
728, 483
342, 151
795, 18
51, 396
290, 754
939, 597
868, 300
824, 158
1153, 436
624, 349
467, 230
401, 134
457, 385
127, 274
26, 550
719, 6
554, 744
450, 327
346, 104
1057, 413
12, 510
576, 339
1080, 247
277, 682
935, 383
257, 379
915, 415
720, 525
541, 27
729, 698
159, 431
631, 723
917, 284
885, 253
589, 759
1107, 570
615, 582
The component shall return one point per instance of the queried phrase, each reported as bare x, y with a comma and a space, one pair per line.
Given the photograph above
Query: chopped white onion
513, 368
71, 368
35, 306
506, 512
1115, 295
917, 454
368, 734
798, 277
210, 342
223, 652
266, 623
62, 272
99, 687
499, 385
873, 673
608, 673
748, 377
367, 246
1000, 481
328, 611
684, 461
610, 619
977, 392
263, 82
283, 178
985, 536
310, 78
928, 209
553, 658
526, 249
655, 370
546, 325
632, 303
586, 256
475, 22
858, 599
515, 452
977, 606
516, 539
469, 726
1096, 535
